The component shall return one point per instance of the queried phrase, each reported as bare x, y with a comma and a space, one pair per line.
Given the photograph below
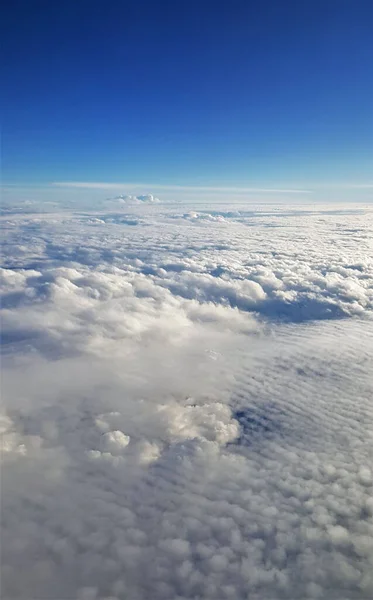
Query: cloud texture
187, 404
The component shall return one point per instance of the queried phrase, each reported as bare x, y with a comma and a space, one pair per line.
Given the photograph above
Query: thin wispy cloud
358, 186
347, 185
180, 188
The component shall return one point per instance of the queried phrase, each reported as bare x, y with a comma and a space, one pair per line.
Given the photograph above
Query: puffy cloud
185, 415
125, 200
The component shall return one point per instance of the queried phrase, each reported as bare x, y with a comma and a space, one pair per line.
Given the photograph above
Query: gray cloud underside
187, 405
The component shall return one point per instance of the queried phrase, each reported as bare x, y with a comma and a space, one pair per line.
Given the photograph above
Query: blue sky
250, 94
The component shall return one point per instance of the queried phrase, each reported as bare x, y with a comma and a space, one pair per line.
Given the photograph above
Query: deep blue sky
188, 92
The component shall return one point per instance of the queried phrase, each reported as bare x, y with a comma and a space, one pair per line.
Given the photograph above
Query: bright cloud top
145, 198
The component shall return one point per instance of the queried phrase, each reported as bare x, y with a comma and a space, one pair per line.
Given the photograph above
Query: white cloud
124, 200
180, 188
187, 404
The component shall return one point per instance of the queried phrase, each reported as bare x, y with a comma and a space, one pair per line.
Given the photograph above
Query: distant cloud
343, 185
125, 200
362, 186
180, 188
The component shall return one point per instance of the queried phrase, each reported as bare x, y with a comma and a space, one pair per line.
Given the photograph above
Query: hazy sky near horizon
269, 96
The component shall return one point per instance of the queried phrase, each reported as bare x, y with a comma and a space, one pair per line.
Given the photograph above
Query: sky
148, 95
186, 300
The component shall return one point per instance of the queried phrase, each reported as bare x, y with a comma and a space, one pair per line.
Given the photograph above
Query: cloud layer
187, 404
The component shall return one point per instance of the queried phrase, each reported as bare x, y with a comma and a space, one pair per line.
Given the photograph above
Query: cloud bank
187, 404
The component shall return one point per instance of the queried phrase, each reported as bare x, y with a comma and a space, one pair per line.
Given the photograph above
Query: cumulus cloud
123, 200
187, 404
